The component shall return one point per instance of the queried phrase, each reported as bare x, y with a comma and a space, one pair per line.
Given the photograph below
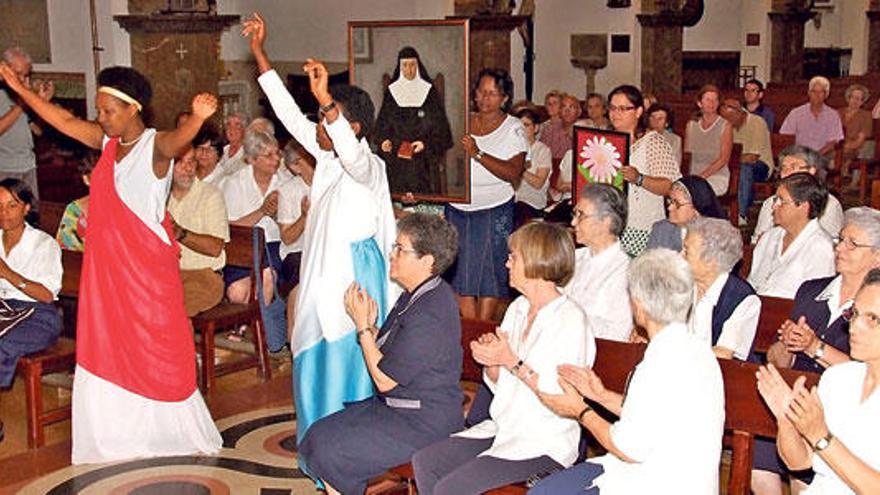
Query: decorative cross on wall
181, 51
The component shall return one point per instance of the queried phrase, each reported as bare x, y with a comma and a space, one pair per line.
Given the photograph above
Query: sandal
237, 335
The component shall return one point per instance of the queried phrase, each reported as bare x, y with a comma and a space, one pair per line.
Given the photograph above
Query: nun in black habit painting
412, 131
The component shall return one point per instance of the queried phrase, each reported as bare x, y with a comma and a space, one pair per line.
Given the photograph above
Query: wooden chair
226, 315
730, 197
875, 194
778, 142
50, 216
774, 311
61, 357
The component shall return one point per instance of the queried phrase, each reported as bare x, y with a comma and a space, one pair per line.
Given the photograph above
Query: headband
122, 96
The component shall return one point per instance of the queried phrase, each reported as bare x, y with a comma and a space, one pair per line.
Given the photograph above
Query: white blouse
831, 220
243, 196
778, 274
522, 426
600, 287
36, 257
738, 331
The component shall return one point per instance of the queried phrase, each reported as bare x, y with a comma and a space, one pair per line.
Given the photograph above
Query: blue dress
421, 346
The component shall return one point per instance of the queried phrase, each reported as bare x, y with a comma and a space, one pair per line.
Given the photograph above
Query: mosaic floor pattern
258, 457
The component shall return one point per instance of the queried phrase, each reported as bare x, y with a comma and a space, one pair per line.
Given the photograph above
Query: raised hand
11, 78
318, 80
46, 90
773, 389
204, 105
256, 29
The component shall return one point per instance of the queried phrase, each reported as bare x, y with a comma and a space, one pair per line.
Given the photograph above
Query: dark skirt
38, 331
235, 273
482, 250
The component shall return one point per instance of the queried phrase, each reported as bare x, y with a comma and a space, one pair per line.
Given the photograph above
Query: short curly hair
129, 81
503, 82
431, 234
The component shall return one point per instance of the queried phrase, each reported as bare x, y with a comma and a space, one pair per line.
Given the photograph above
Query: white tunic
290, 197
738, 331
851, 420
350, 202
831, 219
671, 423
599, 286
778, 274
522, 426
243, 196
36, 257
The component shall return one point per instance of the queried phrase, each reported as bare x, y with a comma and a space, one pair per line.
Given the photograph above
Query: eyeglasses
871, 320
620, 109
398, 248
269, 154
779, 201
678, 204
851, 244
488, 94
580, 215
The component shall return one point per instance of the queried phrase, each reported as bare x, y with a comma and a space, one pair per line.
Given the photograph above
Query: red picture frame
598, 155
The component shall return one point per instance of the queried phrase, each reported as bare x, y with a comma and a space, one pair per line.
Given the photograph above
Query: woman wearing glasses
414, 362
797, 249
691, 198
833, 428
817, 335
652, 167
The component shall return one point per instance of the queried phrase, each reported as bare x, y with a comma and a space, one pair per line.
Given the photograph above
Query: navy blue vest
835, 333
733, 292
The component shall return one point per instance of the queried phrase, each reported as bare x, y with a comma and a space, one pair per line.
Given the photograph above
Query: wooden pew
875, 194
61, 357
50, 216
774, 311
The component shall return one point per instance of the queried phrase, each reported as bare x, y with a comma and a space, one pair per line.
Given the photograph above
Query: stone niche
179, 54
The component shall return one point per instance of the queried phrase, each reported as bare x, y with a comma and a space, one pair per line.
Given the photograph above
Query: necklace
133, 141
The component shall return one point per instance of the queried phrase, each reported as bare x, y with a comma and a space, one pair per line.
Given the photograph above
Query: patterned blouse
72, 229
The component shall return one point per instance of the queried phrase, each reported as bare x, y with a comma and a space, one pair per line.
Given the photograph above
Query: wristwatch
823, 442
330, 106
22, 285
640, 180
820, 351
478, 156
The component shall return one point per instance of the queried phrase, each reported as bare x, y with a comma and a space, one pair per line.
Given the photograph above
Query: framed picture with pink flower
599, 155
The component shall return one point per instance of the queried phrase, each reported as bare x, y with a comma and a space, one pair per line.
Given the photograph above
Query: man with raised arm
348, 236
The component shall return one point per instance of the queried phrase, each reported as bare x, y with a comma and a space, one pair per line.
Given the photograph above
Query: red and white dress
134, 392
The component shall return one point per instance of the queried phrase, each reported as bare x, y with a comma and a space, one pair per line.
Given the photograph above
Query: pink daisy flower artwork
601, 160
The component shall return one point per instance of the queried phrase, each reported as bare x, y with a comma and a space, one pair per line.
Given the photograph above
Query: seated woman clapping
414, 361
668, 437
834, 428
30, 278
542, 329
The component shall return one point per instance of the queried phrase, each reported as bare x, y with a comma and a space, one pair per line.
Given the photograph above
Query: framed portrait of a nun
416, 74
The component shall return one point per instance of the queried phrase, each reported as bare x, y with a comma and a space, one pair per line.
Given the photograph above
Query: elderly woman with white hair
232, 159
599, 281
794, 159
251, 197
814, 124
726, 308
678, 368
817, 334
833, 428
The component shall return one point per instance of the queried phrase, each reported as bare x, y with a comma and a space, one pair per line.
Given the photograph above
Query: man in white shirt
726, 308
668, 437
797, 249
794, 159
599, 281
198, 216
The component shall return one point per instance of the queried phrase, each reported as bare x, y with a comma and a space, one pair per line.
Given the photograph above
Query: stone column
787, 45
661, 53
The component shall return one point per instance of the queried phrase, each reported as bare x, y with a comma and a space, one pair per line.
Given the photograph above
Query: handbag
274, 314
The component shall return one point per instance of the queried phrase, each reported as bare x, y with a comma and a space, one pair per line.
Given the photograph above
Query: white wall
754, 20
719, 29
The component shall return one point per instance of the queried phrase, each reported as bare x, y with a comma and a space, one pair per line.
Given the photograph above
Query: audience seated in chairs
726, 308
814, 124
251, 197
71, 232
558, 134
597, 113
817, 335
794, 159
30, 278
599, 281
668, 437
414, 361
691, 198
833, 429
542, 329
857, 127
797, 249
756, 160
709, 140
198, 218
